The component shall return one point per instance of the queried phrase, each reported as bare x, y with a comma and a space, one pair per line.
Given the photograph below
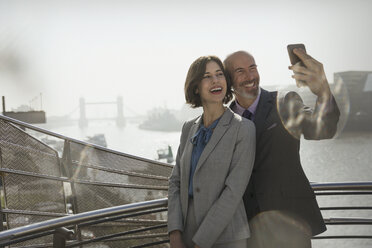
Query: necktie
247, 114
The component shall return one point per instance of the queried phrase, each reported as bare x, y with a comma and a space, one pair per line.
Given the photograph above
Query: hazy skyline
141, 50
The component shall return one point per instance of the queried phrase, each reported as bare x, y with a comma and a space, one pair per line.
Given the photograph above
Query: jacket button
197, 190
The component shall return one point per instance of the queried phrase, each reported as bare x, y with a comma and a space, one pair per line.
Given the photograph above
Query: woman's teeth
216, 89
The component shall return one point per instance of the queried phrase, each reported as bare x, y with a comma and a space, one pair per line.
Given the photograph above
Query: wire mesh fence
38, 182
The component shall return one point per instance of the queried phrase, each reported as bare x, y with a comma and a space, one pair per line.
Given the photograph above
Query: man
280, 204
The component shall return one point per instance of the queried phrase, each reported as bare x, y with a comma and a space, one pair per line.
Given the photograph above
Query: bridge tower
83, 122
120, 121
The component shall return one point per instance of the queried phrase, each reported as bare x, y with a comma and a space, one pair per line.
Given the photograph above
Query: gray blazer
219, 182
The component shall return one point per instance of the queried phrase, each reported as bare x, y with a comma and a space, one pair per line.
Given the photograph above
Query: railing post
60, 236
68, 171
2, 191
2, 200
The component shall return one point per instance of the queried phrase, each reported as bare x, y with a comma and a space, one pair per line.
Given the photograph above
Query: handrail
41, 130
110, 236
342, 186
347, 221
6, 236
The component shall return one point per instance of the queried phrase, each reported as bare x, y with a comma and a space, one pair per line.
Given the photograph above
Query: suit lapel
265, 104
188, 149
218, 132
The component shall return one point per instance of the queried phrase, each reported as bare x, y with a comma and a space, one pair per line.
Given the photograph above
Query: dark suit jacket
278, 181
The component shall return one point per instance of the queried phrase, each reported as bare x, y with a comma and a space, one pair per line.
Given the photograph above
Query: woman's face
212, 88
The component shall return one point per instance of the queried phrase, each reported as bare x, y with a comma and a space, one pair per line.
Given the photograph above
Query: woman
213, 165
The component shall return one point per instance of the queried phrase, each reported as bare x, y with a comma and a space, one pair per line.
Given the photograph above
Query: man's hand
175, 238
312, 75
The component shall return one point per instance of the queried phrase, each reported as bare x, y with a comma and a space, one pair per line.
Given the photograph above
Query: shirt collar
204, 133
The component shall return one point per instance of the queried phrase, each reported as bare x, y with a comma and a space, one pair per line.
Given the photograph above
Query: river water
345, 158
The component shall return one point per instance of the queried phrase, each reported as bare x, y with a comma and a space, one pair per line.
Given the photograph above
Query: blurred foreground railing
36, 230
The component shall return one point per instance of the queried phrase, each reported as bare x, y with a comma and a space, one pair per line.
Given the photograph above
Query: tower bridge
119, 118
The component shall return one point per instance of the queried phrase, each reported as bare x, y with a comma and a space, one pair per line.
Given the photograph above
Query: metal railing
93, 217
346, 189
39, 183
43, 228
114, 184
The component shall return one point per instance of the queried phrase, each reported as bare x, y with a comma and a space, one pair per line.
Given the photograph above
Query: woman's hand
175, 238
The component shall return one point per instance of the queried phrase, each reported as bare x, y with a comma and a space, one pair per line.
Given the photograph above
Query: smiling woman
213, 165
204, 71
212, 88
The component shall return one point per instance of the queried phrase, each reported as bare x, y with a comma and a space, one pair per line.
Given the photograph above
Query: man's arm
320, 122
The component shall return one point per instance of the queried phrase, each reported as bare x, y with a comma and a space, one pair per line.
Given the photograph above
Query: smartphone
293, 57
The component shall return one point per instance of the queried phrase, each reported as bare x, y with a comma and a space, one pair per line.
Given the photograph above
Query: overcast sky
141, 50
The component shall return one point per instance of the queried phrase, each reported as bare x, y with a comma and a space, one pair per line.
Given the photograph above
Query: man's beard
247, 95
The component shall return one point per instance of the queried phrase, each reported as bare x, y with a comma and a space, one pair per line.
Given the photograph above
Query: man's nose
248, 76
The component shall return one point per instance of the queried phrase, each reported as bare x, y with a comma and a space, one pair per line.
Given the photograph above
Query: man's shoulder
268, 93
277, 93
283, 96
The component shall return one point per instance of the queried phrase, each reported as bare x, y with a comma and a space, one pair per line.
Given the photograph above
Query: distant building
358, 86
25, 114
32, 117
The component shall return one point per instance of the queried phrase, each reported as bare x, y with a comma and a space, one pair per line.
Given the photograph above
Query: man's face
245, 77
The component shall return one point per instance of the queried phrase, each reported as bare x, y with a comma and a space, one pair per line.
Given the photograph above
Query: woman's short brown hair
195, 76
